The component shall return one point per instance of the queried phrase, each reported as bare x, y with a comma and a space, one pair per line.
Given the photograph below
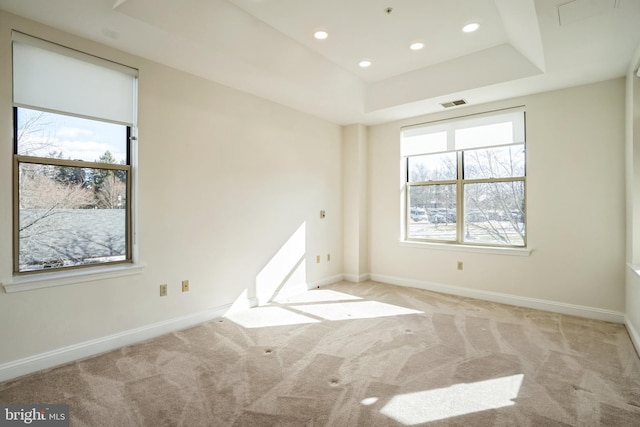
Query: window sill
61, 278
467, 248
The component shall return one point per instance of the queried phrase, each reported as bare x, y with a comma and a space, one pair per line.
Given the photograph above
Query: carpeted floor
364, 354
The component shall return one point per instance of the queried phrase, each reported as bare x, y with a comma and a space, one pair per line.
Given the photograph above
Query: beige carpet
363, 354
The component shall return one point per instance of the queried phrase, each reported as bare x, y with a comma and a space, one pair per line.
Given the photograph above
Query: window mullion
460, 198
16, 213
451, 181
494, 180
72, 163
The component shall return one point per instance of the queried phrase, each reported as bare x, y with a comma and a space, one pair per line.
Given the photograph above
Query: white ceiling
266, 47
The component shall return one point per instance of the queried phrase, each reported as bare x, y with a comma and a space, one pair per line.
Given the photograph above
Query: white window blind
51, 77
481, 130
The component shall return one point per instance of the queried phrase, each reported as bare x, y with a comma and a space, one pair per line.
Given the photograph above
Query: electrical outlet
317, 259
185, 286
163, 290
323, 214
459, 265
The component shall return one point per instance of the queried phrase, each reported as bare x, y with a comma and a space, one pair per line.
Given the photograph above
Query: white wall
225, 179
355, 175
632, 291
575, 207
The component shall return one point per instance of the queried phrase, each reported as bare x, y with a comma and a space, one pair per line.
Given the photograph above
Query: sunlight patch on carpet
262, 317
459, 399
354, 310
318, 296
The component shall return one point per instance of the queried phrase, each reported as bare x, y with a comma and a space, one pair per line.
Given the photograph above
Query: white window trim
452, 246
42, 280
61, 278
39, 279
459, 247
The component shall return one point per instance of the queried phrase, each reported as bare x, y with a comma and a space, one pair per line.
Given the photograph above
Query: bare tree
42, 198
495, 209
33, 136
112, 193
493, 191
39, 191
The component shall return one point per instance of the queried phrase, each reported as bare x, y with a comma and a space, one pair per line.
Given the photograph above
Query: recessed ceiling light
364, 63
416, 45
320, 34
470, 28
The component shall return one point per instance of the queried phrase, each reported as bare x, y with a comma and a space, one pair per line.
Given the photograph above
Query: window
74, 118
465, 180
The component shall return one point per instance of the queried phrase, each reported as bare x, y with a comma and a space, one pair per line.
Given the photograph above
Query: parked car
418, 214
442, 216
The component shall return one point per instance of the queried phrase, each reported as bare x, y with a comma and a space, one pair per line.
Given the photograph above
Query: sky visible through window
44, 134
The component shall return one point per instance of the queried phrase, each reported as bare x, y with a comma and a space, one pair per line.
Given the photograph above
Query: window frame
460, 182
19, 159
120, 90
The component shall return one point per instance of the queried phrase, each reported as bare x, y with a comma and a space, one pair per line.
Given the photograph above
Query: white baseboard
86, 349
633, 333
325, 282
538, 304
355, 278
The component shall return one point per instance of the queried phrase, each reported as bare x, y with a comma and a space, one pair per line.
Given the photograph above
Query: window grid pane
432, 212
496, 162
494, 213
70, 216
58, 136
433, 167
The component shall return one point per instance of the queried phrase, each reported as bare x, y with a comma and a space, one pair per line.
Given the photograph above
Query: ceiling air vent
454, 103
